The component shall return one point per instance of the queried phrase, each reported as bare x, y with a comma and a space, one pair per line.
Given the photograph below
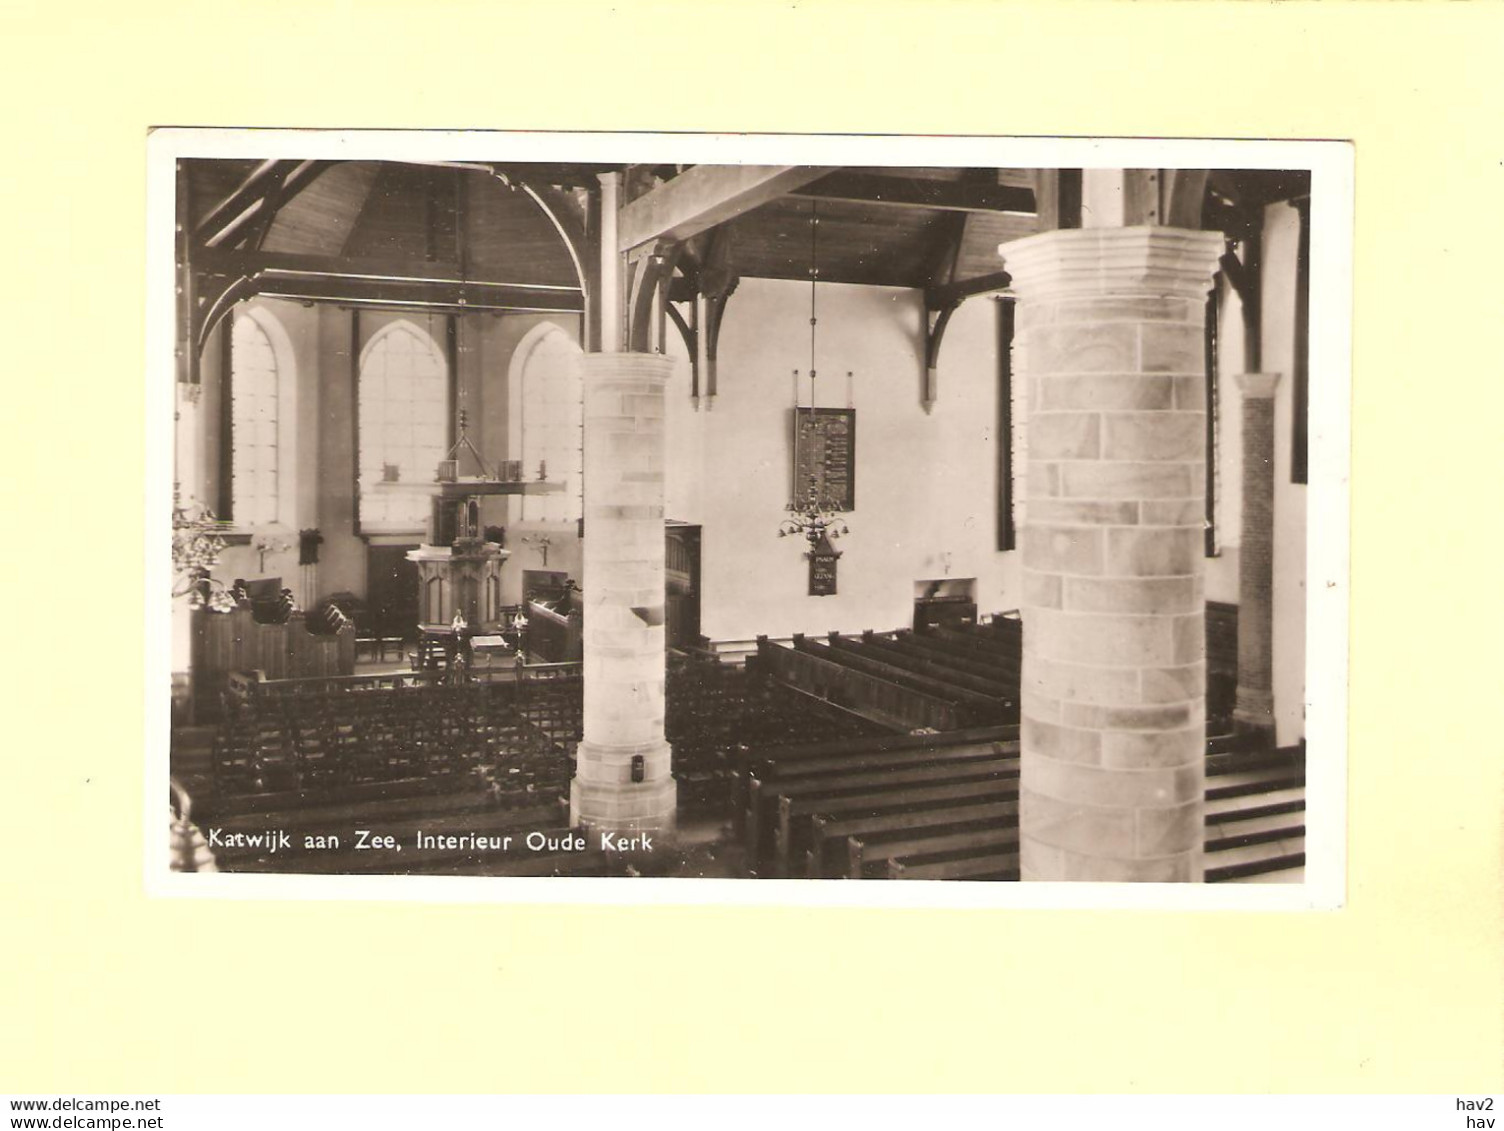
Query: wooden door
392, 591
682, 585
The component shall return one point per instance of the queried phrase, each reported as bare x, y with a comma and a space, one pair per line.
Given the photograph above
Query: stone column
1110, 325
1255, 702
623, 582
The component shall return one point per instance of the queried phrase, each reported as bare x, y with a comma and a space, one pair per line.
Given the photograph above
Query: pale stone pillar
1255, 701
609, 298
624, 648
1110, 339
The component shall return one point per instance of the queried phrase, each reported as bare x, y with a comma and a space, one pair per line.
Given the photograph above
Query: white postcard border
1327, 567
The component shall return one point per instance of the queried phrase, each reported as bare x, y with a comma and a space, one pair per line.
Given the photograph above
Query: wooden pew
893, 653
884, 701
875, 860
828, 856
980, 648
868, 856
347, 859
995, 864
764, 802
716, 711
976, 640
849, 654
948, 659
770, 762
794, 812
765, 779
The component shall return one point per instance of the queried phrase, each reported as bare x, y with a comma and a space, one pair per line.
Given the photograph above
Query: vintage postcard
715, 518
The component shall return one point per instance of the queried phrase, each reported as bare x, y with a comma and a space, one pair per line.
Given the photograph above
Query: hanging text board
826, 451
822, 568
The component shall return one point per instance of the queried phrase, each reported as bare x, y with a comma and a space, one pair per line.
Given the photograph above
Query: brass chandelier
815, 519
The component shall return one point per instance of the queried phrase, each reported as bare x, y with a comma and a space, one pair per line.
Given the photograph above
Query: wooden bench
881, 700
851, 654
857, 847
793, 833
765, 801
829, 854
890, 652
716, 711
349, 859
965, 864
947, 660
766, 781
308, 740
975, 644
771, 763
873, 858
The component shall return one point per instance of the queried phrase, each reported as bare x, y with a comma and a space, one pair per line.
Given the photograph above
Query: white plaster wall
503, 346
297, 350
1281, 235
925, 485
1222, 570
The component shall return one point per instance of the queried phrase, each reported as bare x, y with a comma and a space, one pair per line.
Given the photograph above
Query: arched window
551, 417
256, 424
404, 392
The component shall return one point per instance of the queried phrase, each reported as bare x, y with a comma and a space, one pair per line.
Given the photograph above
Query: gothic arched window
255, 421
404, 427
552, 424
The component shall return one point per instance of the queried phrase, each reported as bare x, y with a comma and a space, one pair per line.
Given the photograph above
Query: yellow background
103, 990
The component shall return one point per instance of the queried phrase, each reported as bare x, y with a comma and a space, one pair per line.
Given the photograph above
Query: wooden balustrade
224, 643
551, 636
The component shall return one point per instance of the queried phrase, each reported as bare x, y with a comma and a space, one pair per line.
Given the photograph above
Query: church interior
748, 522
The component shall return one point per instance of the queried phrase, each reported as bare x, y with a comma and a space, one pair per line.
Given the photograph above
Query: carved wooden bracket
939, 304
649, 293
706, 280
690, 332
936, 321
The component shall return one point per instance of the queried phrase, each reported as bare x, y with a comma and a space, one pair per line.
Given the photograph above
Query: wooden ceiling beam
412, 292
706, 195
897, 191
380, 269
940, 264
249, 189
270, 186
937, 298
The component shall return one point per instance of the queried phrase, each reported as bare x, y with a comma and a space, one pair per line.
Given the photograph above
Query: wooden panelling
236, 642
509, 239
318, 220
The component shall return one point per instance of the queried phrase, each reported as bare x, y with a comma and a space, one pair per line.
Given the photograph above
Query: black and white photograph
641, 517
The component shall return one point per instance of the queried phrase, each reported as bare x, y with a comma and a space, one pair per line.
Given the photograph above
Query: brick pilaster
1110, 339
624, 647
1255, 699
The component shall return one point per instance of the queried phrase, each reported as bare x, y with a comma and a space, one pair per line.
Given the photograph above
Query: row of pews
288, 738
716, 712
945, 807
403, 753
942, 802
950, 678
409, 827
398, 774
942, 679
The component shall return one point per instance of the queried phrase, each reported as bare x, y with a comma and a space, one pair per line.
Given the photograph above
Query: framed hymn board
822, 568
825, 451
